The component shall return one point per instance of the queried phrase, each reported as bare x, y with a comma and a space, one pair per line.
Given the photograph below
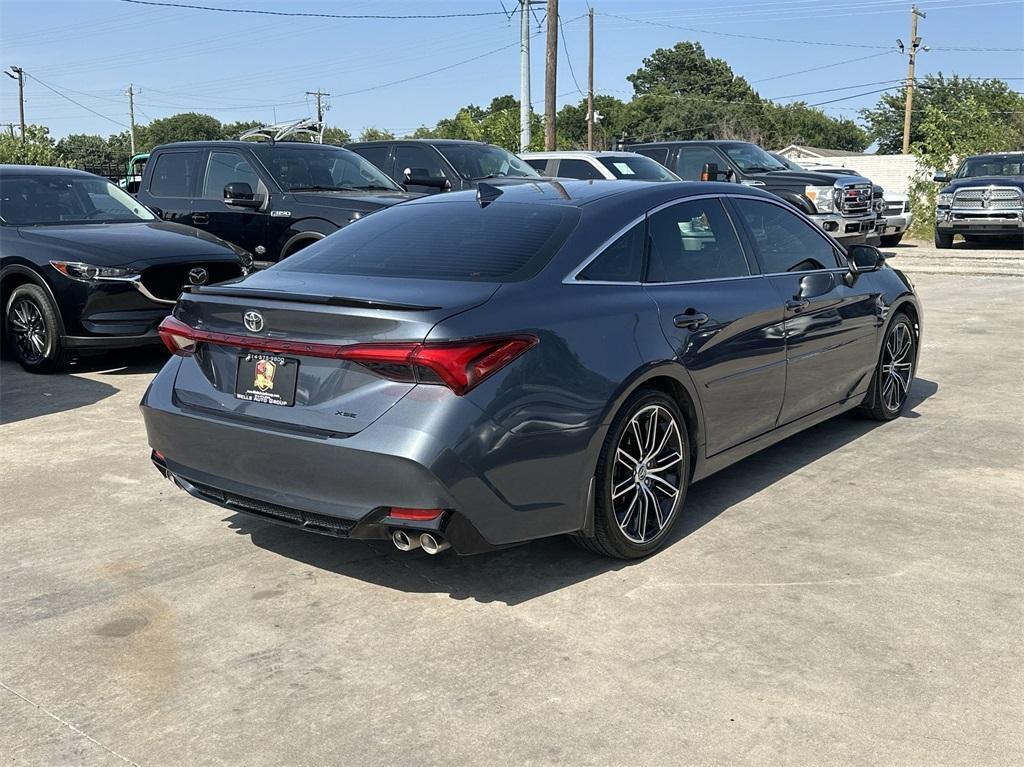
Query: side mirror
943, 177
816, 284
419, 177
240, 194
864, 258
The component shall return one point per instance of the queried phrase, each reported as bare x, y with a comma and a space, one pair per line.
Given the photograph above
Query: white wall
892, 172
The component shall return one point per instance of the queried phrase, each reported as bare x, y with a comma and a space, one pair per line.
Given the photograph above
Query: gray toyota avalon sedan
478, 369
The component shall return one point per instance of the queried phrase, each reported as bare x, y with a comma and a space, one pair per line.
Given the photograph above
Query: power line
826, 66
76, 103
568, 58
349, 16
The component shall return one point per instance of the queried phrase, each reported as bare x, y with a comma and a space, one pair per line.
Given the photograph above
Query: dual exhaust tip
430, 543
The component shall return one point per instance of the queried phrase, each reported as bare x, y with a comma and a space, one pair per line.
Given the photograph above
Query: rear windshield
461, 241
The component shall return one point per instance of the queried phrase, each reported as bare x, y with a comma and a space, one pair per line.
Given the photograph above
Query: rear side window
657, 153
622, 261
580, 169
784, 241
174, 174
694, 241
539, 164
461, 241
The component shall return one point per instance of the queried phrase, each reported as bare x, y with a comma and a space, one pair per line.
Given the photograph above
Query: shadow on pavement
520, 573
28, 395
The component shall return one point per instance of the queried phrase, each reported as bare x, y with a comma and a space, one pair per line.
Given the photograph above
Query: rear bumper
431, 451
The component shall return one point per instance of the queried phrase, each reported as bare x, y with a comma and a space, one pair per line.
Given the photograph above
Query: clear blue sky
242, 66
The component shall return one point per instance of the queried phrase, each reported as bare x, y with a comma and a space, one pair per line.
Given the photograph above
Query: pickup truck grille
166, 281
856, 200
893, 208
987, 198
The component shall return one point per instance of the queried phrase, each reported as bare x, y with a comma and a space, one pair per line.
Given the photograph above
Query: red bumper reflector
418, 515
158, 455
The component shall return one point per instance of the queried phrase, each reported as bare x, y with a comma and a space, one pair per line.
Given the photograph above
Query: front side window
225, 168
637, 168
481, 161
413, 161
321, 168
175, 174
694, 240
622, 261
461, 241
580, 169
692, 159
784, 241
58, 199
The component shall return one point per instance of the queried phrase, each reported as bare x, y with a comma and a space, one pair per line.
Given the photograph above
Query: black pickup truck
271, 198
847, 207
983, 199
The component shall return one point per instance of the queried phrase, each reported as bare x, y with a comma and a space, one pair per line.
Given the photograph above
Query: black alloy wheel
33, 331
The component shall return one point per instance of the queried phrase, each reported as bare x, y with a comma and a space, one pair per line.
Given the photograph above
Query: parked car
842, 206
477, 370
983, 199
443, 165
271, 198
132, 180
84, 266
627, 166
895, 208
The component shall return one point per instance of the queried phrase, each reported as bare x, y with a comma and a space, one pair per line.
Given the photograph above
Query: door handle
200, 218
797, 304
690, 319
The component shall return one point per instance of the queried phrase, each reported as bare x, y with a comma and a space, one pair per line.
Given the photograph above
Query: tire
943, 240
627, 525
890, 384
891, 240
32, 331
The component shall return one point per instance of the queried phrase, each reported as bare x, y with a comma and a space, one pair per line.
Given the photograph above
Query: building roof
817, 151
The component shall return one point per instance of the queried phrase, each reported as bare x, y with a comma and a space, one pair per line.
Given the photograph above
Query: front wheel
894, 374
642, 476
943, 240
33, 330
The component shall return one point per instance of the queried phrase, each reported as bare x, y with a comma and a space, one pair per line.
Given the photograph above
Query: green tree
188, 126
375, 134
229, 131
885, 120
81, 150
572, 123
798, 123
337, 136
686, 69
38, 148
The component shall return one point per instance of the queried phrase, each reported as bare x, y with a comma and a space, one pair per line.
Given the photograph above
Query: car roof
235, 144
43, 170
441, 141
577, 193
996, 155
580, 153
716, 142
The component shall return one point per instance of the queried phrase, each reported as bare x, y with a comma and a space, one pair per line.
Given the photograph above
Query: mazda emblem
253, 321
198, 276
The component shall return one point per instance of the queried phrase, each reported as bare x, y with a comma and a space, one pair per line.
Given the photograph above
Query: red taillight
459, 365
417, 515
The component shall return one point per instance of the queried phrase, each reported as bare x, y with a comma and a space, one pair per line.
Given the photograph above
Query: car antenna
487, 193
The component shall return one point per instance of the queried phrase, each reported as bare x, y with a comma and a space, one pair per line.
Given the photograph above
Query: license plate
266, 378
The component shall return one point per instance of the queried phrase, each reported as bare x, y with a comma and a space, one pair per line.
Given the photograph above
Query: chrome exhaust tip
432, 544
403, 541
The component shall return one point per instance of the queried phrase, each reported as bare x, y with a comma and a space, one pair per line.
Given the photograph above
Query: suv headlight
945, 199
822, 197
77, 270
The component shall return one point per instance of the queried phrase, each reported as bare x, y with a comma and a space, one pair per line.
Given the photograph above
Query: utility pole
524, 75
320, 109
590, 81
131, 115
915, 43
17, 73
550, 76
10, 127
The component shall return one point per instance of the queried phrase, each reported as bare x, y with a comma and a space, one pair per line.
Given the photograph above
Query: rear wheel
894, 373
642, 475
33, 331
943, 240
891, 240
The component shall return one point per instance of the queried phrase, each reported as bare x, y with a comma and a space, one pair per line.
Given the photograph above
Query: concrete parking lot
853, 596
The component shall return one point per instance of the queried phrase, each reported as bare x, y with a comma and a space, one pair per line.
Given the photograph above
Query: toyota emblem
253, 321
198, 276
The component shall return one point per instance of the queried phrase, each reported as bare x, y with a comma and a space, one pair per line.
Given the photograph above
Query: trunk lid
331, 396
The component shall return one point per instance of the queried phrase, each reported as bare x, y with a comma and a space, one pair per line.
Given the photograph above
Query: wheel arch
13, 276
304, 232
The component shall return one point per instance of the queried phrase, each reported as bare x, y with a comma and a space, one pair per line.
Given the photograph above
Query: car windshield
790, 165
638, 168
316, 168
973, 167
752, 159
50, 199
480, 161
